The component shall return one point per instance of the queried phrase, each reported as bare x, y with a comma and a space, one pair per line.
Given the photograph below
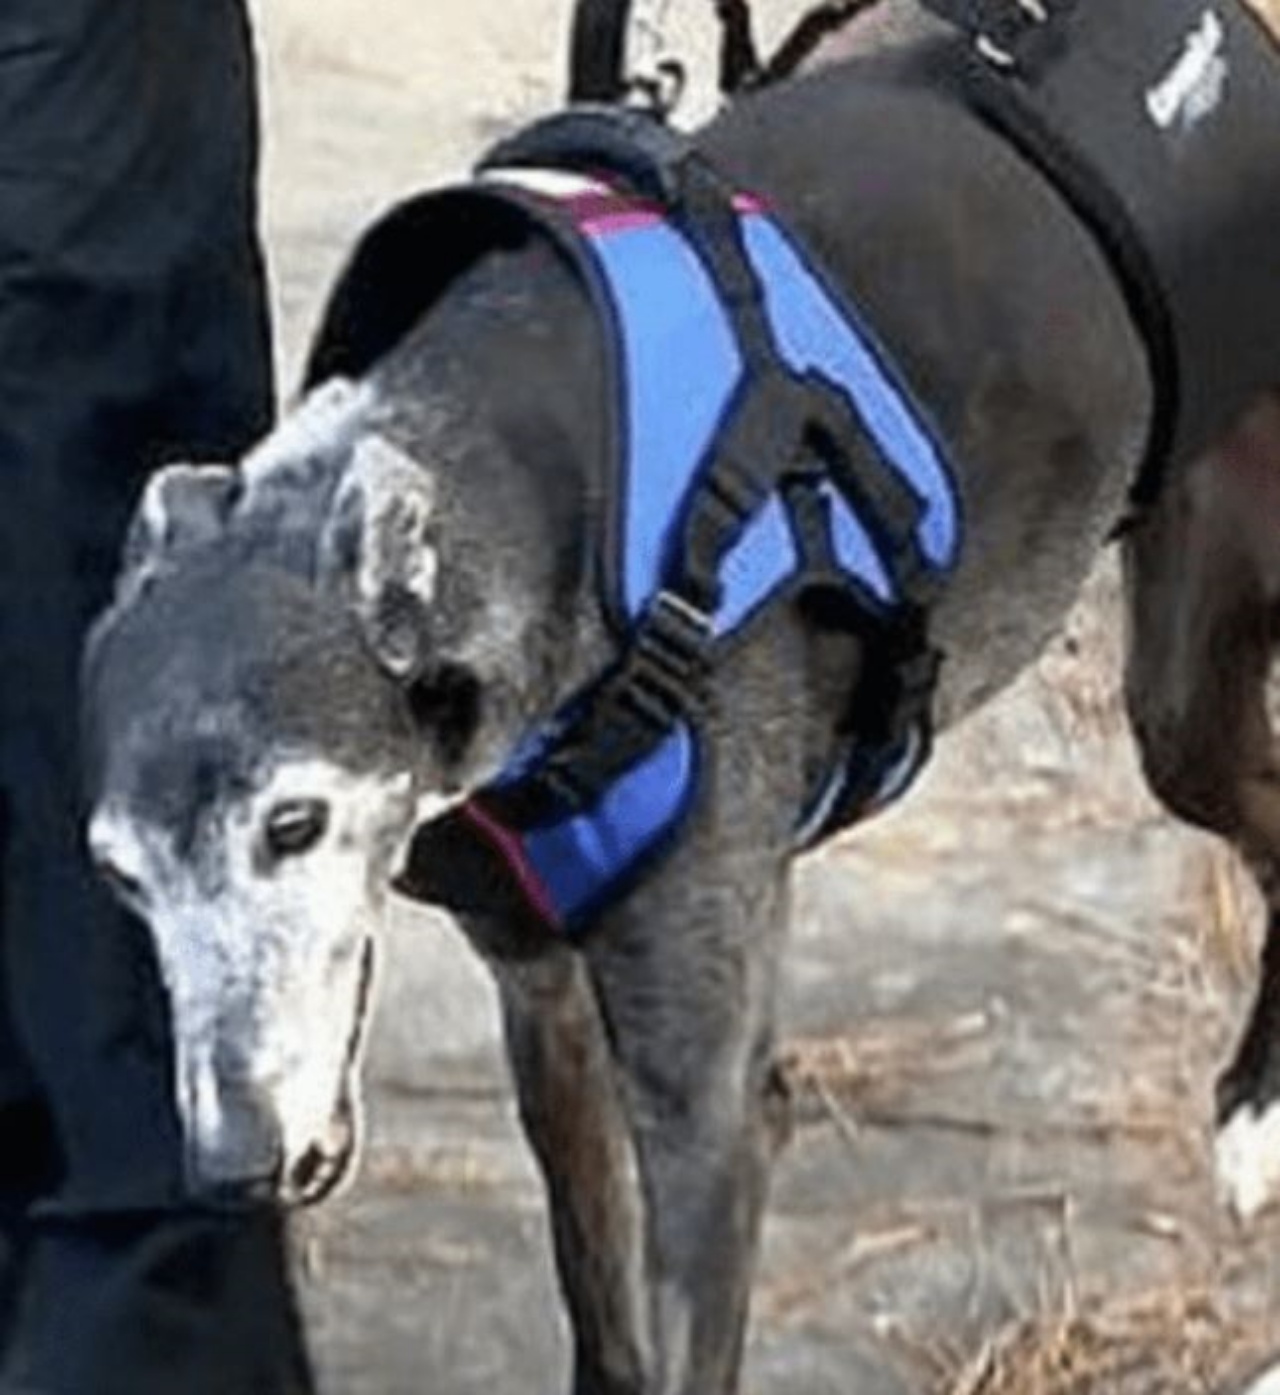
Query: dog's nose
234, 1143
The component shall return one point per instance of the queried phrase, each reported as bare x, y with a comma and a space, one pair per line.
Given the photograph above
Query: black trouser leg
159, 1304
132, 331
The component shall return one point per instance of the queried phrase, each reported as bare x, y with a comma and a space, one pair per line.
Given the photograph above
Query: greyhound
315, 651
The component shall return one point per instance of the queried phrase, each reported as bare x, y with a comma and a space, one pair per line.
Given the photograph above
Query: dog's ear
376, 546
181, 506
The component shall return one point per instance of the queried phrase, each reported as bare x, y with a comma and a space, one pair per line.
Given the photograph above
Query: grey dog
314, 651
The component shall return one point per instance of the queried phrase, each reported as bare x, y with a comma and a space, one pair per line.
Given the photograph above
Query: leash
598, 51
1014, 36
809, 34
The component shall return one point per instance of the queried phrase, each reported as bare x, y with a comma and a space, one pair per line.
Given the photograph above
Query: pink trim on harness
508, 845
604, 209
605, 223
628, 216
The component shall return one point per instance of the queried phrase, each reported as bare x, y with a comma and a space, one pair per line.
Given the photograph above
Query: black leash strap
739, 57
598, 46
598, 51
810, 32
1019, 36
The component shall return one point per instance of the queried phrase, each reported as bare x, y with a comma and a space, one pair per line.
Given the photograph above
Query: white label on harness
1192, 88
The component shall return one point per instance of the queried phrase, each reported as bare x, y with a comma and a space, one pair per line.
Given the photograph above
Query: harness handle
648, 155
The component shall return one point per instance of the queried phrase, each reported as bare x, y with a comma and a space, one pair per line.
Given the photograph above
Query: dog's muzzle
243, 1161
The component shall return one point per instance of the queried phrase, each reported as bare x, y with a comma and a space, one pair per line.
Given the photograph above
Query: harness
764, 450
1159, 122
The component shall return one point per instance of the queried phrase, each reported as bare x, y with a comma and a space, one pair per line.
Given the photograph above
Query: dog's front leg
686, 979
571, 1114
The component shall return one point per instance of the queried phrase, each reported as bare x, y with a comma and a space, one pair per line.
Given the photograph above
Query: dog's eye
296, 826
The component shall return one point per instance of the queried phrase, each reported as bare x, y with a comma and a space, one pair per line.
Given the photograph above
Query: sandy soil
1006, 1000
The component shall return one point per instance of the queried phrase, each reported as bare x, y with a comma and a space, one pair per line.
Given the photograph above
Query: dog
317, 652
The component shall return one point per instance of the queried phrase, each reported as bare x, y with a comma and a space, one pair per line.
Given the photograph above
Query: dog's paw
1266, 1384
1247, 1155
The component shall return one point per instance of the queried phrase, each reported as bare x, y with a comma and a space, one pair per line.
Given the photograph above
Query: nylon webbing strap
1009, 106
739, 58
598, 51
661, 678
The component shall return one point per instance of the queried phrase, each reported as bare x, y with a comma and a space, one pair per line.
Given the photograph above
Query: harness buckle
666, 669
680, 621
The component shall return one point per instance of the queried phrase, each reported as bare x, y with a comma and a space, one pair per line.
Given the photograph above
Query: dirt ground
1006, 1001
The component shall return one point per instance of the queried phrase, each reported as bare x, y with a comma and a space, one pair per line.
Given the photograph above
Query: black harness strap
811, 31
1014, 43
1159, 124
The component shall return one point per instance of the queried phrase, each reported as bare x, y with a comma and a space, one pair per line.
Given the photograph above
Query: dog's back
996, 304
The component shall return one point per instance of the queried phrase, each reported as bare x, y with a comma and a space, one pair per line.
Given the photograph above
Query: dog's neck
500, 395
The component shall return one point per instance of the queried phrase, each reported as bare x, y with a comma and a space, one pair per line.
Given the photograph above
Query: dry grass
1186, 1338
866, 1077
412, 1171
1233, 915
879, 1059
1173, 1341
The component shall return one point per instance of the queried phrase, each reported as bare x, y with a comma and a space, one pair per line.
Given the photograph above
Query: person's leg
156, 1304
132, 330
28, 1154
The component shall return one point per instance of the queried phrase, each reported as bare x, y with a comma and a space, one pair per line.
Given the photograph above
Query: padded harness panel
724, 506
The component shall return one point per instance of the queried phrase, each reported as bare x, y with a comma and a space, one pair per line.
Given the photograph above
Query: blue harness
766, 448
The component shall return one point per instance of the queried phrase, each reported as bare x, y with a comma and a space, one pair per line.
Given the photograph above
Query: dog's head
264, 714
